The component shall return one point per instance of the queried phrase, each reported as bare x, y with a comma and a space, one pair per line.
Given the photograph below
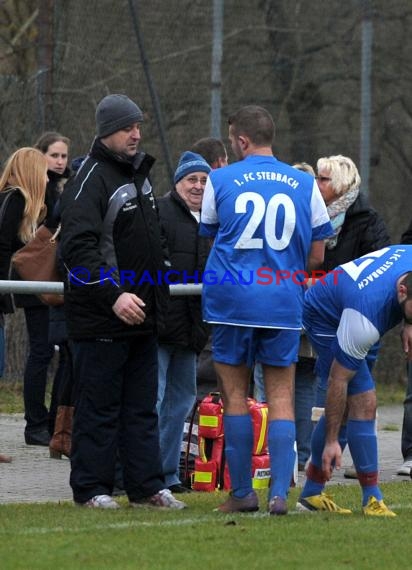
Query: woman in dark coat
22, 192
55, 147
359, 229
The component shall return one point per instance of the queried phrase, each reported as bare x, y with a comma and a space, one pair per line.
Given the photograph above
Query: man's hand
332, 455
129, 309
406, 339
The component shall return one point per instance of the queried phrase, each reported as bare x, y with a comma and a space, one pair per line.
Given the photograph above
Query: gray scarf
337, 213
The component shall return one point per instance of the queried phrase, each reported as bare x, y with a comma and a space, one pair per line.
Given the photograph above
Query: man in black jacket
110, 244
185, 333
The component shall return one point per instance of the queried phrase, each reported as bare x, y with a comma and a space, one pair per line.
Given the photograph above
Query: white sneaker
101, 502
405, 468
163, 499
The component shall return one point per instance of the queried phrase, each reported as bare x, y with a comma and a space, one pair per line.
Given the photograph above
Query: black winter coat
9, 239
53, 191
110, 240
363, 231
10, 242
188, 253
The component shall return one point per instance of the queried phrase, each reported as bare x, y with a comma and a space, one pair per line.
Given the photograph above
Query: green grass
390, 427
51, 536
11, 398
390, 394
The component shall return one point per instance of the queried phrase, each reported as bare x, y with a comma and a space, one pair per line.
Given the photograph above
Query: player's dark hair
407, 281
210, 148
254, 122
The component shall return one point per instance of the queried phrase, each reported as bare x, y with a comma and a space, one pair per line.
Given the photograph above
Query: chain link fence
301, 60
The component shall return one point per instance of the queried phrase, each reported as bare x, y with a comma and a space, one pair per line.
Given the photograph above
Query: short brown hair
210, 149
254, 122
48, 138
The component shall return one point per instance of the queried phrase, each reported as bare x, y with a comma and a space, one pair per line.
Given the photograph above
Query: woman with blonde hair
22, 185
22, 193
339, 183
25, 171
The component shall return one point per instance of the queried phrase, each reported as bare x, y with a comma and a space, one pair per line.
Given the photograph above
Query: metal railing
37, 287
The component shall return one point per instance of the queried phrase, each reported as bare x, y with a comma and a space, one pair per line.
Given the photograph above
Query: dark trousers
57, 386
115, 410
35, 374
65, 392
407, 419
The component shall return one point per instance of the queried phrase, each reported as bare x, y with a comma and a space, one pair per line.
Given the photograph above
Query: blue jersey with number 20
263, 214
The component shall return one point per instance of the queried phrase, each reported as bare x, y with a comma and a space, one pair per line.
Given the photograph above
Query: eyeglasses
194, 180
323, 178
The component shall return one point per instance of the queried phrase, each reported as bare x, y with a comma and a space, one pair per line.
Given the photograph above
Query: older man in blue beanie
185, 334
110, 238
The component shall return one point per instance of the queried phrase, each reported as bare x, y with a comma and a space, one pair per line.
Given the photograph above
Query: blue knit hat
190, 162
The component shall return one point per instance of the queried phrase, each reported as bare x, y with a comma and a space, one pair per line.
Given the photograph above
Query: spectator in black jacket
39, 421
359, 229
55, 148
406, 445
185, 334
111, 247
22, 191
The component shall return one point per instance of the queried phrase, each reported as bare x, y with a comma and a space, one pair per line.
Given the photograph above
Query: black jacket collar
130, 165
56, 176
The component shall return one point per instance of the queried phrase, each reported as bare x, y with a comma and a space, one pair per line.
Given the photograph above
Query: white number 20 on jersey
269, 215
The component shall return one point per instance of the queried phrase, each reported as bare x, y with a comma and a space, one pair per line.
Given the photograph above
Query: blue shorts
361, 382
246, 345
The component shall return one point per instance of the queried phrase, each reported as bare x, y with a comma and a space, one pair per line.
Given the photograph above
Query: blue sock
363, 445
238, 450
311, 486
315, 482
281, 439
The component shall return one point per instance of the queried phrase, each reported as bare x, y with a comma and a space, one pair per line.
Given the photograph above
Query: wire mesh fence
302, 60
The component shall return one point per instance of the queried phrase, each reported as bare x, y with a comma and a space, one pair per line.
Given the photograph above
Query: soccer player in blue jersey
268, 221
344, 318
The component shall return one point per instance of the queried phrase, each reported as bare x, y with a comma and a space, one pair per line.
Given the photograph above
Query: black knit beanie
115, 112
